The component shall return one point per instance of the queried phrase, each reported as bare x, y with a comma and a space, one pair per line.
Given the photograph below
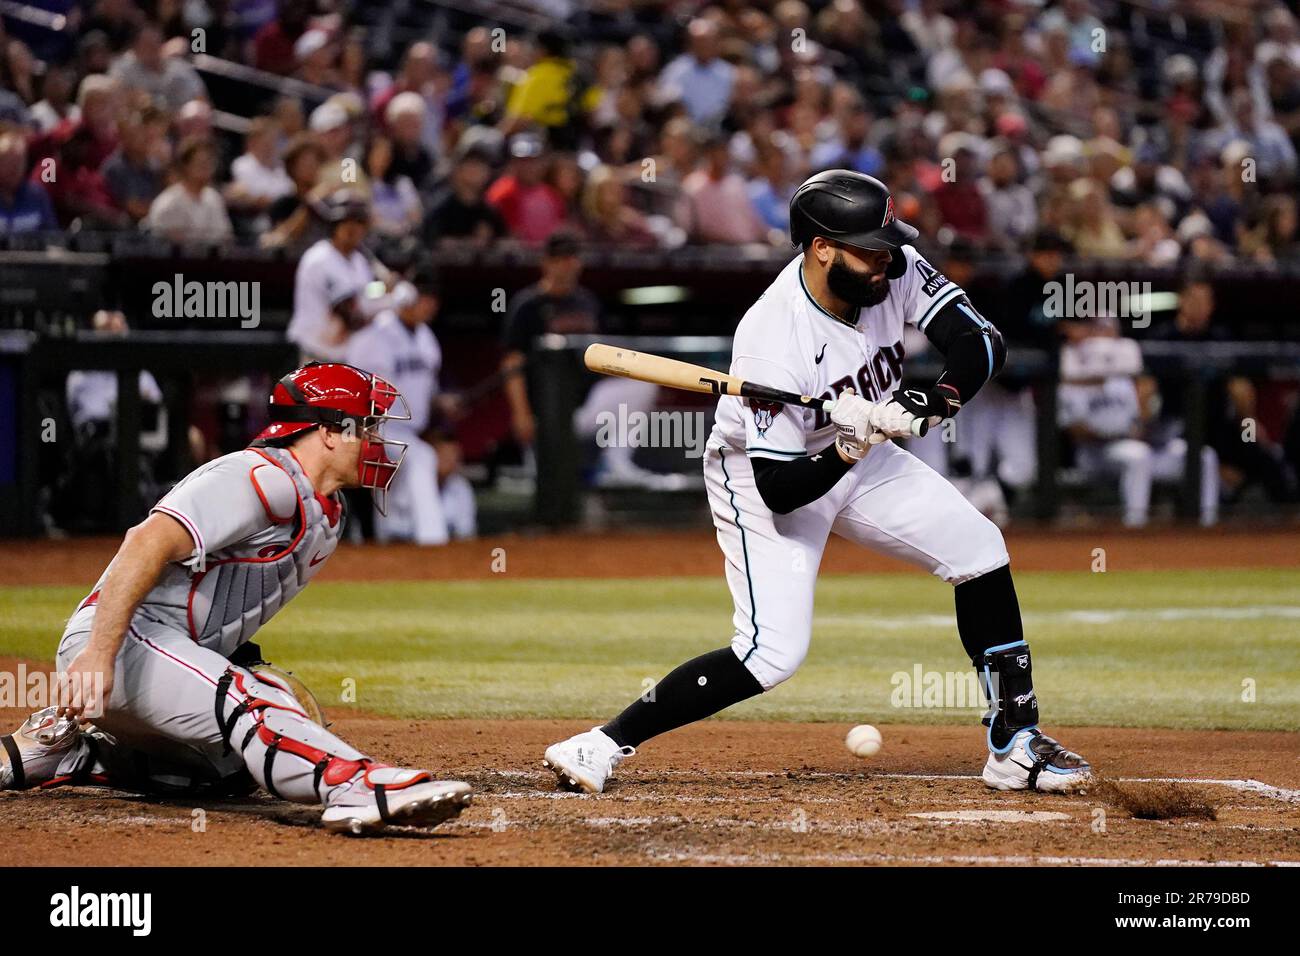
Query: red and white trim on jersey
188, 524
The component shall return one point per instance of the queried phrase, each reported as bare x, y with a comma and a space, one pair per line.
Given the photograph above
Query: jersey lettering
887, 364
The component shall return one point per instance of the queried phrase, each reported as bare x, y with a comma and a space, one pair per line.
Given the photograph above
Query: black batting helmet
343, 205
847, 207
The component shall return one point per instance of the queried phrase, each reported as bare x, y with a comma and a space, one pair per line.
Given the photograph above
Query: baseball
863, 741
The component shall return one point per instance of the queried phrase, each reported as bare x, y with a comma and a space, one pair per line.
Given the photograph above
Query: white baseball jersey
787, 341
1098, 388
411, 359
260, 532
890, 501
325, 277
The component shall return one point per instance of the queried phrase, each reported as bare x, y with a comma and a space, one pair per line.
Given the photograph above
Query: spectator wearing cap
191, 210
546, 96
558, 304
273, 45
1079, 24
170, 81
420, 75
1012, 213
394, 199
458, 209
405, 118
135, 172
718, 207
530, 206
698, 78
314, 56
24, 204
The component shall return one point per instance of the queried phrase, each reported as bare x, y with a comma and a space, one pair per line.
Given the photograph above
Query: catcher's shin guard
289, 755
1006, 673
48, 750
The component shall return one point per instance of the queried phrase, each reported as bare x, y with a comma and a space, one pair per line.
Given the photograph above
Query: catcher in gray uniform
159, 652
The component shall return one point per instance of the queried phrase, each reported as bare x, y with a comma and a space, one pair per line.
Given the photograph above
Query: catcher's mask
348, 399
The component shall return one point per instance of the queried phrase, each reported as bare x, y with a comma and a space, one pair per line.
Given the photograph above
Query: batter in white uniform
781, 479
151, 653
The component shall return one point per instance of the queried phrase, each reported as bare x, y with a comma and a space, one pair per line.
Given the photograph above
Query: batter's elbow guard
999, 346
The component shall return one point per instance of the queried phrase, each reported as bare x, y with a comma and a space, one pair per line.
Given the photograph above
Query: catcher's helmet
342, 205
345, 397
847, 207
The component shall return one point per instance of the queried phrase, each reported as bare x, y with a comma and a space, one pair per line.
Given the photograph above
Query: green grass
582, 648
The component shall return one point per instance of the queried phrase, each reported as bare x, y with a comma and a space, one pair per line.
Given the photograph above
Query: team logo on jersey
932, 280
889, 212
764, 414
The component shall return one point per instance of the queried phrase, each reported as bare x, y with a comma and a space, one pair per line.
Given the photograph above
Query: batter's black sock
698, 689
988, 614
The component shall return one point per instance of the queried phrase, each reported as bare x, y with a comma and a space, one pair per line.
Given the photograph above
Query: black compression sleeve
972, 347
787, 485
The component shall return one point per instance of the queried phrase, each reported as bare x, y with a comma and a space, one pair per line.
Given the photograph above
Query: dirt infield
722, 792
659, 554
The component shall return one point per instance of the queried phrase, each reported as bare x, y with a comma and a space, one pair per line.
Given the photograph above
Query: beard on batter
856, 288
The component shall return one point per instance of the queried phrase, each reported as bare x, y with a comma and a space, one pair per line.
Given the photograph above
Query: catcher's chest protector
233, 595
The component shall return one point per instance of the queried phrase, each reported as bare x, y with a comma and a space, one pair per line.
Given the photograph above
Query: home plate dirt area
728, 793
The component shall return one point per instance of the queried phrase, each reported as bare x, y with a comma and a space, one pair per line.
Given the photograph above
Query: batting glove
852, 418
890, 420
936, 402
404, 294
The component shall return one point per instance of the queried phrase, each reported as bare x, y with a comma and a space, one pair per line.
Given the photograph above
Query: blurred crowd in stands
1153, 132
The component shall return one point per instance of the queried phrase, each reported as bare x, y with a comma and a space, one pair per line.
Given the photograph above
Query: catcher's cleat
1034, 761
584, 762
390, 796
45, 750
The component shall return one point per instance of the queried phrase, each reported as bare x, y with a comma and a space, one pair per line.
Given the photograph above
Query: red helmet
341, 396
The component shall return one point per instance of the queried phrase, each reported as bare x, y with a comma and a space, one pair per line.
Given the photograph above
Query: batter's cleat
44, 749
391, 796
1034, 761
583, 763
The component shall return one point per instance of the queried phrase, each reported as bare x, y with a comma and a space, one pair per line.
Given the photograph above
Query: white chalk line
1078, 616
679, 856
1281, 794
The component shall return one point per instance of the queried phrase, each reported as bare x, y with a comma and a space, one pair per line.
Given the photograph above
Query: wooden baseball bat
673, 373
